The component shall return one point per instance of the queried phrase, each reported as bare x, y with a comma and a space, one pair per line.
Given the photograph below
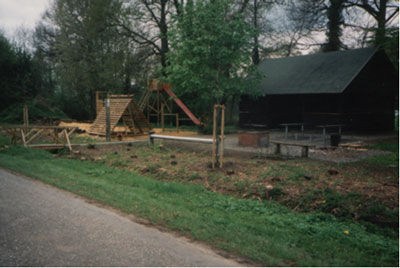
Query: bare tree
383, 12
146, 22
255, 12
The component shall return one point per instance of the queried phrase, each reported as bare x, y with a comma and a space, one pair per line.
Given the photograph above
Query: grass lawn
263, 231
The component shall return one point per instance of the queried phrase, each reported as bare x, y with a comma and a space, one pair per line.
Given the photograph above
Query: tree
321, 15
383, 11
337, 17
295, 25
146, 22
20, 77
210, 54
254, 13
335, 22
86, 52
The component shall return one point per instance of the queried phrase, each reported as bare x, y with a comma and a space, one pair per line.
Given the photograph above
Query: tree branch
392, 15
146, 4
135, 35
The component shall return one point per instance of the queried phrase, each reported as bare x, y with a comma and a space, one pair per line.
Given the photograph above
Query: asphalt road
44, 226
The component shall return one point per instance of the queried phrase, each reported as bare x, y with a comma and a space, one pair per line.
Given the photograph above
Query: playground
307, 171
303, 169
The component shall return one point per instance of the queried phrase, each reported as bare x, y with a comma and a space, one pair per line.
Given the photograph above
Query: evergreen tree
20, 77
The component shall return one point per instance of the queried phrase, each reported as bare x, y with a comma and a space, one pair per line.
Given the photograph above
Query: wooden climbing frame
163, 115
27, 134
159, 95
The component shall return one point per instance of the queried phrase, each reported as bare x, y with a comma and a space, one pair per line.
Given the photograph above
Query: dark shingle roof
328, 72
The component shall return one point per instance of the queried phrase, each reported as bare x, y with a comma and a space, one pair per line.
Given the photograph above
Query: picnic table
324, 127
287, 125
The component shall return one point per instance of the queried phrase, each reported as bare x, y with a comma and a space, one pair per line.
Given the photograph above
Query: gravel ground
349, 150
342, 155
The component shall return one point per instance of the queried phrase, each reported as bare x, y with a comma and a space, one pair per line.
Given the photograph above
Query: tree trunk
381, 21
335, 21
164, 31
255, 55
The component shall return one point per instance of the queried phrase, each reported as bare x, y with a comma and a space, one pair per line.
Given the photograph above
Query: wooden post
214, 144
14, 136
108, 120
177, 123
162, 118
221, 151
55, 135
97, 103
158, 106
148, 106
150, 138
26, 118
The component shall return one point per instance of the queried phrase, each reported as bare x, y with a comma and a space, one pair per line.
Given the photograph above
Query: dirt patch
346, 190
344, 155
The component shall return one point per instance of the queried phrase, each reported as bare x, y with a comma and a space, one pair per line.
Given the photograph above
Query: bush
36, 111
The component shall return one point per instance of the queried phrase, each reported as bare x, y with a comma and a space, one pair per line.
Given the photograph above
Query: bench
304, 147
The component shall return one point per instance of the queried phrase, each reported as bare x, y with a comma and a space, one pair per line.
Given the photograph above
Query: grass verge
265, 232
387, 159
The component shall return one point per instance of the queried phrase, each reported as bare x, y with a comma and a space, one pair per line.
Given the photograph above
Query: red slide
167, 88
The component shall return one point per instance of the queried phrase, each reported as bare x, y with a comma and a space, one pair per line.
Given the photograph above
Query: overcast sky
16, 13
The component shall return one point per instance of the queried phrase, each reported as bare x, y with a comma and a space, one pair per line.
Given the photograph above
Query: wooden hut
357, 88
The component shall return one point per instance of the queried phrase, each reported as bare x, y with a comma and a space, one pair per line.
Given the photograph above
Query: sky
17, 13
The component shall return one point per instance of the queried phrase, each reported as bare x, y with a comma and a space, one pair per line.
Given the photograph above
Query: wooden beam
162, 117
30, 132
35, 126
26, 118
23, 137
67, 138
165, 102
177, 123
55, 135
71, 131
34, 136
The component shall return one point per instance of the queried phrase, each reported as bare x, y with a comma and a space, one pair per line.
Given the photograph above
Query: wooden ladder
144, 99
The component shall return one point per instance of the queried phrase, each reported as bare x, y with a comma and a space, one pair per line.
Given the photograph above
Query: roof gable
319, 73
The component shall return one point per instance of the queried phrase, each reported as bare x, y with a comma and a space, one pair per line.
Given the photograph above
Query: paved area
43, 226
320, 149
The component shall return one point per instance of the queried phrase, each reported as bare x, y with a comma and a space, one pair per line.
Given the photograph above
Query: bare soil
342, 189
